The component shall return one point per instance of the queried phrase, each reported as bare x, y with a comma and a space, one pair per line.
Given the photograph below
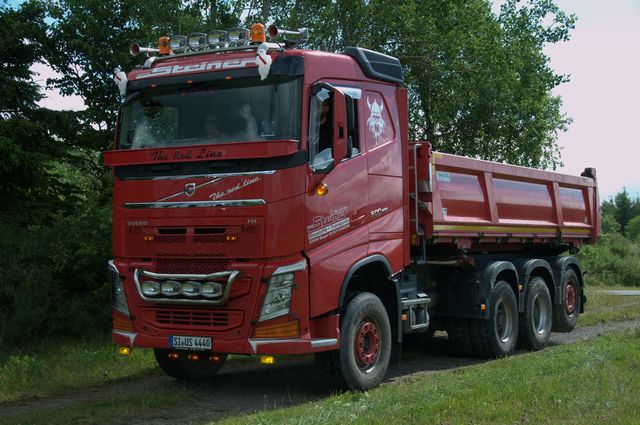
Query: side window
321, 130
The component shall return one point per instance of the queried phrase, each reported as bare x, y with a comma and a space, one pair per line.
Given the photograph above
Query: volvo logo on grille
190, 189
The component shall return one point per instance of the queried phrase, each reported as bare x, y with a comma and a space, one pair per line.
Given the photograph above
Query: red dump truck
268, 201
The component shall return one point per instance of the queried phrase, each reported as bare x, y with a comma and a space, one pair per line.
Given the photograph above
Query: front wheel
191, 370
365, 345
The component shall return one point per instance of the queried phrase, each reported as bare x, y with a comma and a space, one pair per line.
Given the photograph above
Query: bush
633, 229
613, 260
54, 280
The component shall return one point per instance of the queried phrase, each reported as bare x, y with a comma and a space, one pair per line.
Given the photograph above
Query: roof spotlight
197, 40
177, 43
216, 38
238, 36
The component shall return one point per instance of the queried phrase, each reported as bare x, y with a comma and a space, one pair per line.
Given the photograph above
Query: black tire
535, 322
497, 336
459, 333
183, 368
365, 345
565, 314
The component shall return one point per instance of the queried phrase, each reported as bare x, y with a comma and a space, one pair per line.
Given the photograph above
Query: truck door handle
357, 221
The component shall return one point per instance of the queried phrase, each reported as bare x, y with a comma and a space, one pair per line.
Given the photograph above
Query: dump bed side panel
485, 203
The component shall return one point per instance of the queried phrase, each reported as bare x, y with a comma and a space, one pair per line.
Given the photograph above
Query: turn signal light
280, 330
124, 351
121, 324
322, 189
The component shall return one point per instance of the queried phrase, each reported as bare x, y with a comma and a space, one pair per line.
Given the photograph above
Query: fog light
124, 351
150, 288
170, 288
267, 359
191, 289
211, 289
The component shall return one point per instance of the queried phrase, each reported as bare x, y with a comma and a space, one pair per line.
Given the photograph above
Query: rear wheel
497, 336
565, 315
365, 345
535, 322
184, 368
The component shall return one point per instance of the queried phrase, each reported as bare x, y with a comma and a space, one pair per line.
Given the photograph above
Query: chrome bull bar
229, 277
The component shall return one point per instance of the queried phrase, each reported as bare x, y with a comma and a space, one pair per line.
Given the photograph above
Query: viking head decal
375, 122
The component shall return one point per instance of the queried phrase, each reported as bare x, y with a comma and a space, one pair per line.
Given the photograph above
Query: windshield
211, 113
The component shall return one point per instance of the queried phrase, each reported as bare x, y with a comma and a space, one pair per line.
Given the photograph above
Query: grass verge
56, 367
602, 307
590, 382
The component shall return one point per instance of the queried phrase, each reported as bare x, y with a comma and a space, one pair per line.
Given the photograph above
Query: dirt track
250, 387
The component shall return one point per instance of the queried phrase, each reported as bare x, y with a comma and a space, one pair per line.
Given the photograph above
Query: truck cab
242, 200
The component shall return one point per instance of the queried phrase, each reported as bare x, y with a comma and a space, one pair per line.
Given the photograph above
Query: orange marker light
174, 356
148, 238
163, 46
322, 189
257, 33
231, 238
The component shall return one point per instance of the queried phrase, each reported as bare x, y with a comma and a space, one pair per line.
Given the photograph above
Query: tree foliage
479, 84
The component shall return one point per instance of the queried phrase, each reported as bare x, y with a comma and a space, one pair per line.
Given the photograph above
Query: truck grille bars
202, 289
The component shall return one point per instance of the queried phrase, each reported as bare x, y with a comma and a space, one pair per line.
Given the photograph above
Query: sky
603, 96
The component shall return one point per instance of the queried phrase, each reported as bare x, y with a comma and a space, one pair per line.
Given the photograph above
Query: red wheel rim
571, 298
367, 344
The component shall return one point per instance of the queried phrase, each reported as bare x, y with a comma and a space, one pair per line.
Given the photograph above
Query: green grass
57, 366
601, 308
585, 383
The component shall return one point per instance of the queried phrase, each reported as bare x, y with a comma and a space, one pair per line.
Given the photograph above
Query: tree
480, 85
623, 211
633, 229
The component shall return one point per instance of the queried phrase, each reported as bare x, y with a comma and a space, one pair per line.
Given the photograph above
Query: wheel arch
374, 274
496, 271
535, 267
562, 264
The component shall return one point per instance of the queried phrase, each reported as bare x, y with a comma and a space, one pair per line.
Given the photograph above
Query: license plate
197, 343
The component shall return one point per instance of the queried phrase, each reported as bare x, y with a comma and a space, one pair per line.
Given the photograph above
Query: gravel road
250, 387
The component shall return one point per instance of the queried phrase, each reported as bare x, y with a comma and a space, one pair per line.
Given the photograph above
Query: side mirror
339, 126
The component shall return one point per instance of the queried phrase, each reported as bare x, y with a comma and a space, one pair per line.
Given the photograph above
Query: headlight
191, 289
278, 298
117, 290
170, 288
150, 288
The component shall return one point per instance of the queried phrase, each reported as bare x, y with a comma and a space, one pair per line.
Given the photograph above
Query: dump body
487, 206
